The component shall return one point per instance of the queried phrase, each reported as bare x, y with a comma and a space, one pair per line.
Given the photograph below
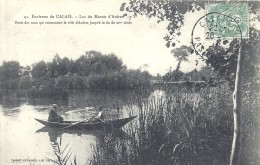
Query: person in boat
100, 116
53, 115
100, 113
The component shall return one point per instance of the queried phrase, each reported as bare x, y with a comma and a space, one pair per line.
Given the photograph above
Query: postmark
201, 41
226, 20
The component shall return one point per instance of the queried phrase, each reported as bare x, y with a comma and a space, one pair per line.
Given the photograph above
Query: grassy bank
183, 127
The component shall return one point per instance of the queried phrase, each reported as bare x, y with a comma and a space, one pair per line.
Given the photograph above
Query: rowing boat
98, 125
53, 132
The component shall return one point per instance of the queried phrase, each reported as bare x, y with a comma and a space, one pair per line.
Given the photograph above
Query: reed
183, 127
63, 156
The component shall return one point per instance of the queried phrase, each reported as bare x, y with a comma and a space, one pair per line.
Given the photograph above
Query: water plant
63, 156
181, 127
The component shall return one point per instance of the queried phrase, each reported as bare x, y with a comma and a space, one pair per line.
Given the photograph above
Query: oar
83, 121
100, 120
77, 123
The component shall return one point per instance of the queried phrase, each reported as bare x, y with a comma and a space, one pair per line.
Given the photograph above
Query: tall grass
182, 127
62, 155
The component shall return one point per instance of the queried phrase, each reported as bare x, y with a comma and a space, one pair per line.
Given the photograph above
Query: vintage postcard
131, 82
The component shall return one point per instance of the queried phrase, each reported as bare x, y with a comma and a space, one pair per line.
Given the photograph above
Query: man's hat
54, 106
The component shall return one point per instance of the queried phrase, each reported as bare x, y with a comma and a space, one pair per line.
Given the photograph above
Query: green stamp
227, 20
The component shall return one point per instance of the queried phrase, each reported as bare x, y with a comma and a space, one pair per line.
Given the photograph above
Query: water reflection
11, 102
11, 112
76, 98
55, 133
80, 99
100, 138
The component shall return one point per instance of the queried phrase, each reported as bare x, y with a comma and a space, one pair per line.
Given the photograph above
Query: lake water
23, 139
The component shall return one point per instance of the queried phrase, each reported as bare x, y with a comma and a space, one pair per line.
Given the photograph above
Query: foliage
47, 88
60, 67
173, 76
90, 71
39, 69
224, 60
181, 53
251, 49
172, 11
78, 82
9, 75
70, 82
54, 79
221, 58
25, 82
10, 70
62, 155
204, 74
183, 127
122, 79
97, 63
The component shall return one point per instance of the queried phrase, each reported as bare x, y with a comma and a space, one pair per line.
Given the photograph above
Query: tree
239, 65
9, 74
25, 82
10, 70
96, 63
67, 66
53, 68
181, 54
39, 69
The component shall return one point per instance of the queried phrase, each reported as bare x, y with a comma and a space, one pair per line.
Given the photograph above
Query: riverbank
184, 128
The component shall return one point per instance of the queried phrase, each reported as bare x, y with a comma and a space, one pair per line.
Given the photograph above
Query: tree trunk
176, 71
237, 106
178, 66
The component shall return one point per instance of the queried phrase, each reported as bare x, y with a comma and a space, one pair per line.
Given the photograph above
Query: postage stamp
227, 20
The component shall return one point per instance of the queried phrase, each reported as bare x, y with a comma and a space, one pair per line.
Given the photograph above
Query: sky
138, 44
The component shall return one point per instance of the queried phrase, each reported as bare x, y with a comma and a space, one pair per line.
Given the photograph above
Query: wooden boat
98, 125
54, 131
